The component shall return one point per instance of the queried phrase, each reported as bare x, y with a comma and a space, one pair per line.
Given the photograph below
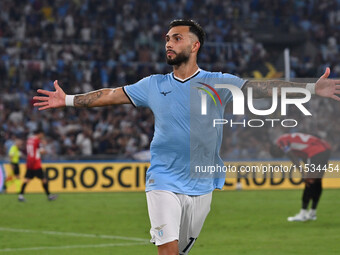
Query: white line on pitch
70, 247
73, 234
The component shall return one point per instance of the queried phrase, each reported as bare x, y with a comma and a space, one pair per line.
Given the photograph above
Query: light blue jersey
169, 99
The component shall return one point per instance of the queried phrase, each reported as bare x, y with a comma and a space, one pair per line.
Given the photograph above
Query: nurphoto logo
239, 102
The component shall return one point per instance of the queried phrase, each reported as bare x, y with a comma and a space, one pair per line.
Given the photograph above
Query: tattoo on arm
263, 89
88, 99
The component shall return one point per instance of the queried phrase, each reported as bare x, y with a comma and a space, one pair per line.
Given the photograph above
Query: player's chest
171, 99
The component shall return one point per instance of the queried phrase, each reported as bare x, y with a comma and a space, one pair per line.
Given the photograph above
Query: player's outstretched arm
324, 87
102, 97
327, 87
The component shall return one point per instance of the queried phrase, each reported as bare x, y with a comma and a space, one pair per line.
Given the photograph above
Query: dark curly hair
194, 28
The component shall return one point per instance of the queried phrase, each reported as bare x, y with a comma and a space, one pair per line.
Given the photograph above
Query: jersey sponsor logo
164, 93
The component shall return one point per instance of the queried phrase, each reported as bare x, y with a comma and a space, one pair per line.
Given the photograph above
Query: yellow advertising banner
85, 177
130, 176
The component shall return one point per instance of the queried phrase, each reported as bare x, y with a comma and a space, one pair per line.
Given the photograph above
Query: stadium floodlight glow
239, 98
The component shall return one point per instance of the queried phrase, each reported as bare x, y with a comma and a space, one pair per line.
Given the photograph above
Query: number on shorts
190, 244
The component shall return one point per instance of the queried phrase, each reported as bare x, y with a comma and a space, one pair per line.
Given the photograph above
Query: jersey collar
186, 79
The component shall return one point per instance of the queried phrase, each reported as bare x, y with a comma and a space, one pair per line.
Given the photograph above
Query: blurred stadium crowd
91, 44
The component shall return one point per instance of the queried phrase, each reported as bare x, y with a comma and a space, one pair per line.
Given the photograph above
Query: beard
179, 59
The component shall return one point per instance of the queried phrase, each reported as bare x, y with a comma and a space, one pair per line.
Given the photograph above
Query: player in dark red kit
312, 151
33, 164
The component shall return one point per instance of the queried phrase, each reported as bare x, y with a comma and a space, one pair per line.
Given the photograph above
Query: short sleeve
234, 80
138, 93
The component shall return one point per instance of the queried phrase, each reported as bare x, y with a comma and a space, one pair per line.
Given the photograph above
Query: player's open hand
53, 99
327, 87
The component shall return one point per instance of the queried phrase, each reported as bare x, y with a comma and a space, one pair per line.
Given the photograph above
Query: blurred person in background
14, 156
312, 151
34, 150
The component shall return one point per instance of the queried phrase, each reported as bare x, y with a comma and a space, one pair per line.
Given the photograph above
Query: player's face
178, 45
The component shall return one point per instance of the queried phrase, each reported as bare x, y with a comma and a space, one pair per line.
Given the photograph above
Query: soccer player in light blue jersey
178, 203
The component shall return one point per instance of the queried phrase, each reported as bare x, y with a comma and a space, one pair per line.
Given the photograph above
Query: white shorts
176, 217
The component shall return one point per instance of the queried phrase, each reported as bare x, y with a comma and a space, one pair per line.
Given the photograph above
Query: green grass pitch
245, 222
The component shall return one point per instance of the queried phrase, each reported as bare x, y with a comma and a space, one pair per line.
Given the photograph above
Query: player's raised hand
327, 87
53, 99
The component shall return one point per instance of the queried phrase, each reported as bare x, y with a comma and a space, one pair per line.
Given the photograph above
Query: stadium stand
93, 44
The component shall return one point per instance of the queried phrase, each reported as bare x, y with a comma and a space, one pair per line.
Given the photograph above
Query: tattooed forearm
86, 100
92, 99
263, 89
